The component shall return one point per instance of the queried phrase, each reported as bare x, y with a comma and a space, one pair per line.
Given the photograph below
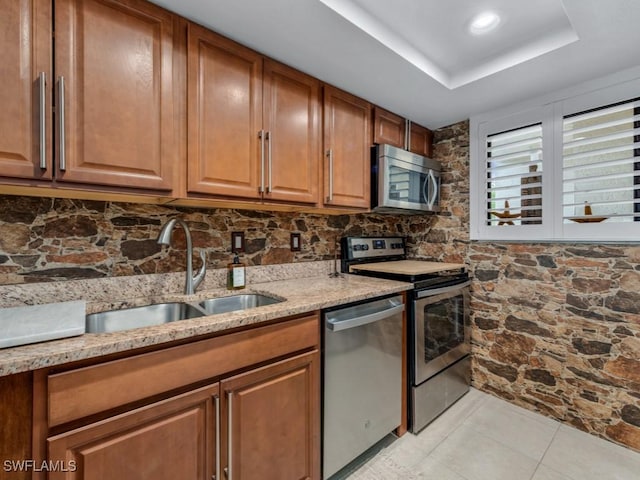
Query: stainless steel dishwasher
362, 370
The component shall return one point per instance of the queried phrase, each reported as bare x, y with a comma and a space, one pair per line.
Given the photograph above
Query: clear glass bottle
236, 274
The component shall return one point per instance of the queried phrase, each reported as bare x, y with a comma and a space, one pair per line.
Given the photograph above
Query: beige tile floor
484, 438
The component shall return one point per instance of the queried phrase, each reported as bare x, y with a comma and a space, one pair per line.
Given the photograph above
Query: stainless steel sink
135, 317
159, 313
236, 302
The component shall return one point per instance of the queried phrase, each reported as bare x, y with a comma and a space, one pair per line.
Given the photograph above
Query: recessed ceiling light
484, 22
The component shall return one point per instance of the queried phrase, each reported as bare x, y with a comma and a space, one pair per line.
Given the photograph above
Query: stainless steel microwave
403, 182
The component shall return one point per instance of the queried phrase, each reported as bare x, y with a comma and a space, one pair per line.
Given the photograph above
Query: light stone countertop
301, 295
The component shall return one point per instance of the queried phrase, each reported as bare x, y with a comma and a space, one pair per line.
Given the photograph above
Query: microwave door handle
425, 187
434, 196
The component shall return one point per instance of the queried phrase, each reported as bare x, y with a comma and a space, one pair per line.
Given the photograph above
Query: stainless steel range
438, 321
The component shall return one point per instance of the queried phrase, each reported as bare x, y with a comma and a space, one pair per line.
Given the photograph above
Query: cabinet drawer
86, 391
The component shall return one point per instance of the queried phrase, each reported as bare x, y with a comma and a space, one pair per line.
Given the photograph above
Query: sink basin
236, 302
135, 317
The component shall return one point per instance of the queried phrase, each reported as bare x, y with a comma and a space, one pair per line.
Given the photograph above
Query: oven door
441, 330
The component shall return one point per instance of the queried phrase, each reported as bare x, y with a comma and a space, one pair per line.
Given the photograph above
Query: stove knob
365, 247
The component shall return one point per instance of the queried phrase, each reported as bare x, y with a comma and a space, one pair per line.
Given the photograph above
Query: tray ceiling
417, 57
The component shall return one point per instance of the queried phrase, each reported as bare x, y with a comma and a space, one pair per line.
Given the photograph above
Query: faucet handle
197, 279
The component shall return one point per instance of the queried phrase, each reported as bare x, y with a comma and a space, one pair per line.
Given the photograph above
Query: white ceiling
416, 57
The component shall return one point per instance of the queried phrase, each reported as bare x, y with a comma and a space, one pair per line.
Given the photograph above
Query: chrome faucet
164, 238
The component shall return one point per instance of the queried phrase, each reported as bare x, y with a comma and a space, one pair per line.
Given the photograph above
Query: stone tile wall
43, 239
556, 327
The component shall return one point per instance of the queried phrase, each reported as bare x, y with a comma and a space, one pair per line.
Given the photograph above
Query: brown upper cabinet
347, 146
114, 116
118, 126
420, 139
25, 69
253, 124
394, 130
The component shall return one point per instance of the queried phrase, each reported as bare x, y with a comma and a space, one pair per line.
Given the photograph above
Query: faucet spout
164, 238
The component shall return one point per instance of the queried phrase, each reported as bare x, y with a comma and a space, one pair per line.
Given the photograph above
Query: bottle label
238, 277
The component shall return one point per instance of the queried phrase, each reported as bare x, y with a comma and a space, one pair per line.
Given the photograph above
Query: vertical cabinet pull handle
217, 475
229, 469
42, 84
409, 135
269, 139
330, 156
62, 160
261, 136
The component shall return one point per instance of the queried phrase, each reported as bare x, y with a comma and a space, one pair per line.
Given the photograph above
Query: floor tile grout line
545, 453
450, 432
507, 445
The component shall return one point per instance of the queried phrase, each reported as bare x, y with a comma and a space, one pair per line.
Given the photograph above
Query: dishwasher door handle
338, 325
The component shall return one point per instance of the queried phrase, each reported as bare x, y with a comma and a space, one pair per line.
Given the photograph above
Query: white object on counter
38, 323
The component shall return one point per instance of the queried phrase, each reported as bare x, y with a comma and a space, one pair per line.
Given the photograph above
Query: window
514, 181
601, 164
568, 170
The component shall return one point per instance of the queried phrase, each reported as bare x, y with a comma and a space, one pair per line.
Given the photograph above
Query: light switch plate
237, 242
296, 242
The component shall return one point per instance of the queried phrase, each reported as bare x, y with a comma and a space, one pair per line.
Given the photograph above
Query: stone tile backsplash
43, 239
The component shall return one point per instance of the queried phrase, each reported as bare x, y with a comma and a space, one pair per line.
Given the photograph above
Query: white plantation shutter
513, 175
601, 164
556, 162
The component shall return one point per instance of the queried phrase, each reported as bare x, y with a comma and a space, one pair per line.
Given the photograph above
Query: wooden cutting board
408, 267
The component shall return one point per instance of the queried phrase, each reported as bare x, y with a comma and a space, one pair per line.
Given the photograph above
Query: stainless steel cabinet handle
330, 156
409, 135
229, 469
269, 140
42, 79
217, 475
62, 160
261, 136
406, 134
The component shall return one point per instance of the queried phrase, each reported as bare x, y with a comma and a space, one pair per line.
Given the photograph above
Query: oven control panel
355, 248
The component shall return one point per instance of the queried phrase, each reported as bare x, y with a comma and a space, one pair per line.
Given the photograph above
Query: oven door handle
338, 325
438, 291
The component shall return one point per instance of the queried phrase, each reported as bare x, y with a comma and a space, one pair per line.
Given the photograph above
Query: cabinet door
347, 145
388, 128
25, 51
420, 140
119, 128
272, 422
224, 116
291, 116
169, 440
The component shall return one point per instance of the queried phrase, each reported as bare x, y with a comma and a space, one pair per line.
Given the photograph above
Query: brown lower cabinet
166, 440
259, 420
268, 423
